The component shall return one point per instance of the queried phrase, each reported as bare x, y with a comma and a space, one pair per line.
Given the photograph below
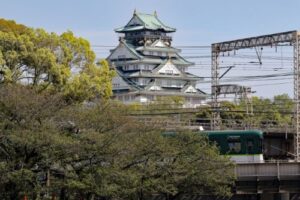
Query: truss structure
232, 89
291, 37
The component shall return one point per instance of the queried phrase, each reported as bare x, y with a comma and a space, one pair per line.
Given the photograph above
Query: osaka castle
148, 67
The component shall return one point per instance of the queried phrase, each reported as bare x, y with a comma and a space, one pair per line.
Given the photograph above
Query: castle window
135, 67
178, 83
115, 85
169, 71
134, 80
126, 67
145, 81
126, 97
150, 97
169, 83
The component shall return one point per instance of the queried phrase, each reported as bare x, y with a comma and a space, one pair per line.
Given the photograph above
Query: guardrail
270, 170
173, 123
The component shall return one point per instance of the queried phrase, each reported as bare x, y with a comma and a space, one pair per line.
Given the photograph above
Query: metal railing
173, 123
146, 36
279, 170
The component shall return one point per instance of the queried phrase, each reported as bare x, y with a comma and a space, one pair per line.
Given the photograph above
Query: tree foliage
52, 148
50, 61
12, 26
261, 112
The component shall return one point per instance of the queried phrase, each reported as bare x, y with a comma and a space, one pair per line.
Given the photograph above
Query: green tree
50, 61
27, 138
285, 106
261, 112
276, 111
50, 147
12, 26
177, 165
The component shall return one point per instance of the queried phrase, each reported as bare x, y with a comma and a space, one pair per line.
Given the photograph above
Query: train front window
234, 144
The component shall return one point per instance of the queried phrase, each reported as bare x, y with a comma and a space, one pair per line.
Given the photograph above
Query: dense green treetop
50, 147
45, 60
258, 112
12, 26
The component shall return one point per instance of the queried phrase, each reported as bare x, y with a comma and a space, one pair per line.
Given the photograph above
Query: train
242, 146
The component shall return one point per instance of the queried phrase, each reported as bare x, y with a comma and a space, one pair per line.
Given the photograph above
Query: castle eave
166, 93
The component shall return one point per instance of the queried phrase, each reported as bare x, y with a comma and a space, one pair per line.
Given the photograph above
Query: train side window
250, 145
234, 144
260, 145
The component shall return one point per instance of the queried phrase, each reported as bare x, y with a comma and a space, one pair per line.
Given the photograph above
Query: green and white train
242, 146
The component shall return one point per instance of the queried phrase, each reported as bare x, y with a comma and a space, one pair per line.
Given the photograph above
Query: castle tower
147, 65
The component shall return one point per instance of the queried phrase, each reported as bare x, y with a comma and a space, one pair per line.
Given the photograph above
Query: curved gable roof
129, 48
147, 21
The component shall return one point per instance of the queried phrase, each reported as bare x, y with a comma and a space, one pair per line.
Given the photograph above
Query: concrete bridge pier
267, 196
285, 196
274, 196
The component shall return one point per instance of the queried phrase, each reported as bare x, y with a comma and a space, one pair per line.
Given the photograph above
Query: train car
242, 146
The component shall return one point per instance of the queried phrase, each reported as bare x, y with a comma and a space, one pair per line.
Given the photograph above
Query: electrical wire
276, 66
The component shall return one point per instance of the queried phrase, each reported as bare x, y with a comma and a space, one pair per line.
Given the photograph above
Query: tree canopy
53, 148
261, 112
50, 61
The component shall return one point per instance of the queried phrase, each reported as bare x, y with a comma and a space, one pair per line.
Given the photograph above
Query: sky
198, 22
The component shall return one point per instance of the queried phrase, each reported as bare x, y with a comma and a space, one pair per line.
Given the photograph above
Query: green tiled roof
161, 49
179, 57
145, 59
151, 75
130, 47
193, 76
175, 93
149, 22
